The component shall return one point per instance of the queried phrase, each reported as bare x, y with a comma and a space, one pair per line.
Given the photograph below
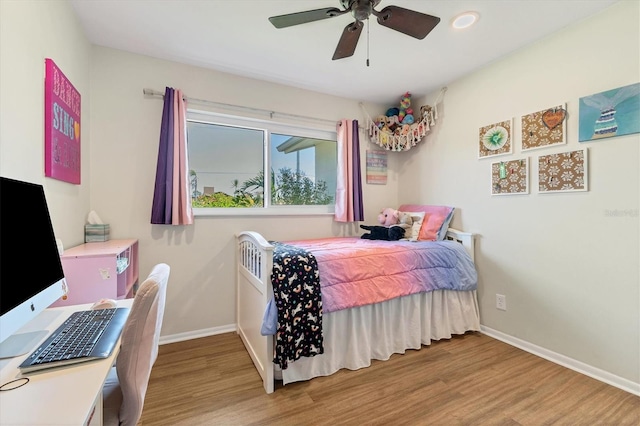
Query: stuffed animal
408, 118
392, 228
427, 114
393, 233
392, 111
388, 217
405, 103
404, 220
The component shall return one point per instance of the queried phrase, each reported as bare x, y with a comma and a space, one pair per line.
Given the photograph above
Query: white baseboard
570, 363
181, 337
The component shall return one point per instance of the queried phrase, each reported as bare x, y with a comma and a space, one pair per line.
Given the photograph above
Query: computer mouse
104, 304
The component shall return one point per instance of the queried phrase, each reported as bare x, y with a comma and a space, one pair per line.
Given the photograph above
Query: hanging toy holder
394, 132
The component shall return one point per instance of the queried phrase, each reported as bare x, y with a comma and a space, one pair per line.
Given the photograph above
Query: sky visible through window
229, 164
279, 159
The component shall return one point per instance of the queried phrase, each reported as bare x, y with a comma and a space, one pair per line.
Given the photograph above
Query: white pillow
417, 218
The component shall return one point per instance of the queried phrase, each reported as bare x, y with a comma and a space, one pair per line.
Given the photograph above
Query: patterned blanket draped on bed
296, 291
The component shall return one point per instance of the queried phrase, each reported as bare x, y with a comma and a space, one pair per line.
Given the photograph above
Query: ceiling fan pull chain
367, 41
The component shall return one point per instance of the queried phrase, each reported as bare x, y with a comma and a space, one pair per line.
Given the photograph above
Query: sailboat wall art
611, 113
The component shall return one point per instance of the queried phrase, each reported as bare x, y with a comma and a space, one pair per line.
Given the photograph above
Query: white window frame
317, 131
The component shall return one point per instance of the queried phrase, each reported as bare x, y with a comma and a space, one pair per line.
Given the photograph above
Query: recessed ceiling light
464, 20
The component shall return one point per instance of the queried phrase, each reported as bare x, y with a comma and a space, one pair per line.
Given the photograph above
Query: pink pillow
435, 217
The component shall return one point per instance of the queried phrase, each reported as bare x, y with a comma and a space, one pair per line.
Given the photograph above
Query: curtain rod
271, 114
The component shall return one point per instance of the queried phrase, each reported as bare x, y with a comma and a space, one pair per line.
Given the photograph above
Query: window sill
264, 212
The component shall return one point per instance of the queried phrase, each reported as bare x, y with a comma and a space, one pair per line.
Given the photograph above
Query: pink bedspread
356, 272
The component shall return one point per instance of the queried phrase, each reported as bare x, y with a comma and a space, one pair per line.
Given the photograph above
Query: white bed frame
255, 262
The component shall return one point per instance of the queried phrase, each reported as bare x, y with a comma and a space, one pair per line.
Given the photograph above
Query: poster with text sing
61, 126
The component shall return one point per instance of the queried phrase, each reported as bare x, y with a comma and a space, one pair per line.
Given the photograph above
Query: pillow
445, 225
418, 218
435, 224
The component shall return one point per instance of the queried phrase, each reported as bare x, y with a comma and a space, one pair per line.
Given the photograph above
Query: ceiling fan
409, 22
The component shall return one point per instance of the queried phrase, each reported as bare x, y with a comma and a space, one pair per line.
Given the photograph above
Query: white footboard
255, 262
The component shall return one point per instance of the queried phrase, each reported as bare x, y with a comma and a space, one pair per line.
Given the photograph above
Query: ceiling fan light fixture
465, 20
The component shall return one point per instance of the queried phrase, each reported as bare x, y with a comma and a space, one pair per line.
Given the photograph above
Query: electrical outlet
501, 302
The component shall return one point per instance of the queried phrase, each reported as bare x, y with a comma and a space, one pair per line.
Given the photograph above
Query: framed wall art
377, 167
510, 177
495, 139
547, 127
563, 172
607, 114
61, 126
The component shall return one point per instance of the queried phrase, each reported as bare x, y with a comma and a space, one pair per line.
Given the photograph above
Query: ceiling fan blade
348, 41
291, 19
409, 22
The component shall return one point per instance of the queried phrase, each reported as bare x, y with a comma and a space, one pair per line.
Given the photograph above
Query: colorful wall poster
61, 126
377, 167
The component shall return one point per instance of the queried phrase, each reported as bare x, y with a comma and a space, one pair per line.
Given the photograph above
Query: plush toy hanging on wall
393, 134
405, 113
393, 224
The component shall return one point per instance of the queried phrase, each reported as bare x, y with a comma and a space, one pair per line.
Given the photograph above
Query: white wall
125, 132
569, 270
31, 31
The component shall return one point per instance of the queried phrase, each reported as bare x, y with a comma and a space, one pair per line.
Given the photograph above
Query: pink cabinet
99, 270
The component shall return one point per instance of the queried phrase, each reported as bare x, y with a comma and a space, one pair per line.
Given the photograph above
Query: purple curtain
348, 206
171, 197
358, 209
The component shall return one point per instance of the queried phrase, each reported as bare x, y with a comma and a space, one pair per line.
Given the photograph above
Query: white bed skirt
354, 337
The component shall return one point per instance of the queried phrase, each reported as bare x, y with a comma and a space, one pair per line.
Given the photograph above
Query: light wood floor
468, 380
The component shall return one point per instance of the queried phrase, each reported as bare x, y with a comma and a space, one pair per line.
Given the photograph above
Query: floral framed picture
510, 177
495, 139
544, 128
563, 172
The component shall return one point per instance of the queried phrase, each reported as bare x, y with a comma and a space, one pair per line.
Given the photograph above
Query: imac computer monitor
31, 275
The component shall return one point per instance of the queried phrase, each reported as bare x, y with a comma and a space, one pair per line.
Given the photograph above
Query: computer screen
31, 275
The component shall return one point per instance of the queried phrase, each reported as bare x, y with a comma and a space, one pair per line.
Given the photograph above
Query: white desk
59, 396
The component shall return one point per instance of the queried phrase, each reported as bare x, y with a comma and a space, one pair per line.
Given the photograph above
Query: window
235, 161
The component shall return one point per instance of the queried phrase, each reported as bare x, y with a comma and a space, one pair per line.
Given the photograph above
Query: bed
355, 335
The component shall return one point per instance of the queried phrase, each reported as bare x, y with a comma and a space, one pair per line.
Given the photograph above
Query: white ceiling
236, 36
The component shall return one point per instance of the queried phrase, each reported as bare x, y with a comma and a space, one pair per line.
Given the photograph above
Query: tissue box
93, 233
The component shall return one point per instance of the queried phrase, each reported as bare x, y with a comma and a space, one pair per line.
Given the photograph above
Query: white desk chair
126, 386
